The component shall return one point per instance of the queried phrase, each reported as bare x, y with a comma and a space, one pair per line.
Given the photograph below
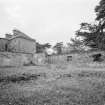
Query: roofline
4, 38
23, 37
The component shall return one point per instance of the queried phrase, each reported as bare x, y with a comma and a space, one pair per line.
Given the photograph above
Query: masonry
70, 58
14, 59
19, 49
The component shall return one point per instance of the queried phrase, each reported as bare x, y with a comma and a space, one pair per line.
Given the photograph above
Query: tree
89, 35
76, 44
93, 35
41, 47
100, 14
46, 45
100, 17
58, 46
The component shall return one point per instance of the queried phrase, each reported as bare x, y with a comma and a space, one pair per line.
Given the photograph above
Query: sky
46, 20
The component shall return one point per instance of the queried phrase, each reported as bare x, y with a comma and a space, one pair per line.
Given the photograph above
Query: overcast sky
46, 20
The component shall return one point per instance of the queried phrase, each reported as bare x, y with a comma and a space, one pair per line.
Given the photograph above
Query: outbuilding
22, 43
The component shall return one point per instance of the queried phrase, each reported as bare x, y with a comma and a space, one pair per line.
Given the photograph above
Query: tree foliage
58, 46
93, 35
100, 15
41, 47
76, 44
100, 11
88, 33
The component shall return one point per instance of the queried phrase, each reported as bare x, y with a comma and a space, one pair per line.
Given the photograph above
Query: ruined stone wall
74, 58
39, 59
22, 45
14, 59
21, 59
3, 44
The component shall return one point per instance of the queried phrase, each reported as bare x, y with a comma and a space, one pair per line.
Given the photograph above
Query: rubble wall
14, 59
21, 59
39, 59
76, 58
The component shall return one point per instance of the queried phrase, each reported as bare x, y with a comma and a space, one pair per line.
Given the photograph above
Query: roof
19, 34
23, 38
3, 38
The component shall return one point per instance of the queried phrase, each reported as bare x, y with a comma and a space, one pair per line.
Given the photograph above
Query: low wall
21, 59
39, 59
76, 58
14, 59
53, 59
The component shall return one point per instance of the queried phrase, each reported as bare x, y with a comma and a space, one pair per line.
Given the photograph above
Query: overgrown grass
58, 96
21, 77
97, 74
91, 89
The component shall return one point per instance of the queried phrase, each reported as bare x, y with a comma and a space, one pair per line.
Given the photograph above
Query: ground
59, 84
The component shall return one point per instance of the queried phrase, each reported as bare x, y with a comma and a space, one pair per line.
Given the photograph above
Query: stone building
8, 36
3, 44
19, 50
20, 42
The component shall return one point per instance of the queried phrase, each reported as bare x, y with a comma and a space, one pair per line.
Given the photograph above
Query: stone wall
76, 58
3, 44
21, 59
22, 45
54, 59
14, 59
39, 59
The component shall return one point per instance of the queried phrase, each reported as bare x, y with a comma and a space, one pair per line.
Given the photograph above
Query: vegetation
76, 44
41, 47
71, 88
93, 35
64, 84
58, 46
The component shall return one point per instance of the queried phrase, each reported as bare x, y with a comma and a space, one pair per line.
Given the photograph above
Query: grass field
62, 84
